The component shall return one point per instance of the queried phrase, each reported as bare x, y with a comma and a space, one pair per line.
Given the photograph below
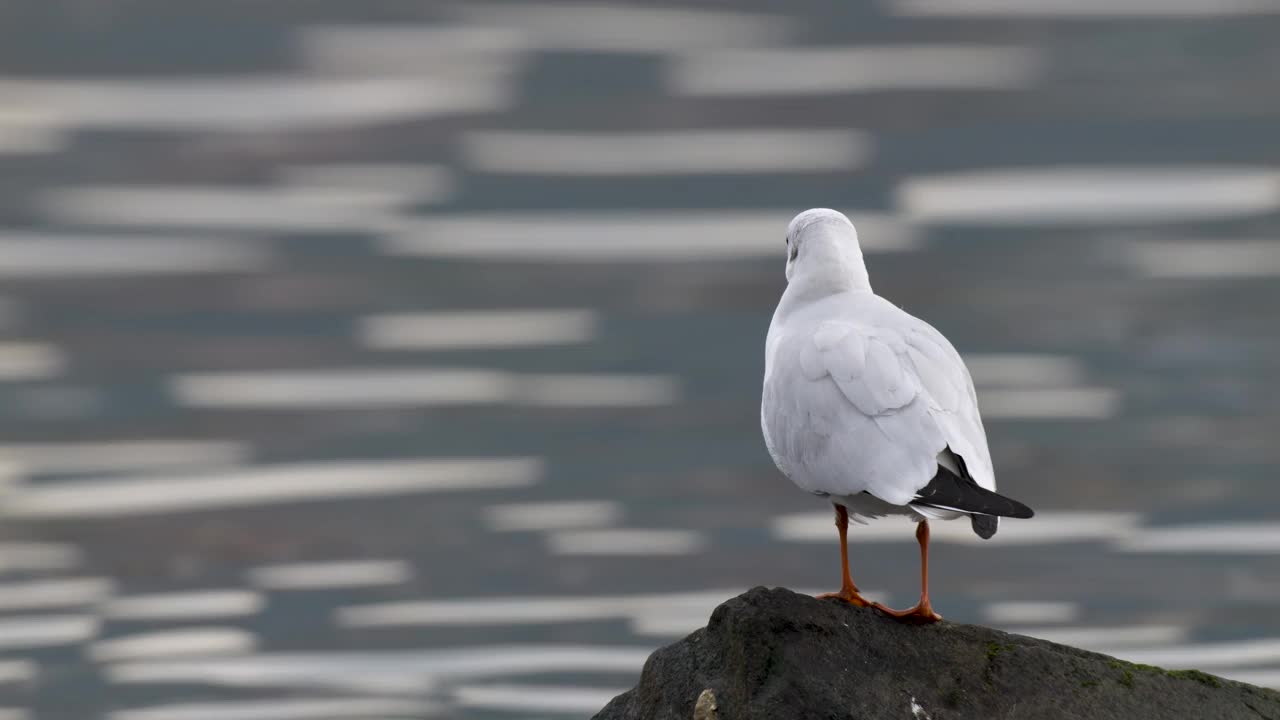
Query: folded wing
903, 396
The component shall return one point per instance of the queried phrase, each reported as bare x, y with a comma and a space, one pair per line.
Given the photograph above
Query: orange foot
849, 595
921, 614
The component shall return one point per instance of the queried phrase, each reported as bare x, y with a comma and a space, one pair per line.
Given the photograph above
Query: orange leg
848, 591
923, 611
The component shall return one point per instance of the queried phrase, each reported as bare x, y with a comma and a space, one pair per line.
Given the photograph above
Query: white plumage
861, 400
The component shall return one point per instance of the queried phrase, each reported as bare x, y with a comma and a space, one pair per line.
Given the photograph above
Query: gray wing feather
953, 401
875, 407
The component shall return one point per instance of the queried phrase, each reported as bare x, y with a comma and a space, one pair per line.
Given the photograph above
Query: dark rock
772, 654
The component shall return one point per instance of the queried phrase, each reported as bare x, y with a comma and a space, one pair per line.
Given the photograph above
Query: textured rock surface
771, 653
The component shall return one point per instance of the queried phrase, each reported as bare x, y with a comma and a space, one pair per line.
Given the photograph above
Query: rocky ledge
773, 654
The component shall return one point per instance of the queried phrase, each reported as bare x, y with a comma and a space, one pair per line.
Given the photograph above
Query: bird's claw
921, 614
849, 595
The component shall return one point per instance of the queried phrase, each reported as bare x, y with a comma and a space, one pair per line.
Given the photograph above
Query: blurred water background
401, 359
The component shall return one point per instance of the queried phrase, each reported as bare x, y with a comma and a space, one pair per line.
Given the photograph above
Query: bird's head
823, 253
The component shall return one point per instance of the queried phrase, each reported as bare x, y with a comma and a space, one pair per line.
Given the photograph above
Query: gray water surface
402, 360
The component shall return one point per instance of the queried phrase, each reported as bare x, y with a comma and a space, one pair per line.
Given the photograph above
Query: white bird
870, 406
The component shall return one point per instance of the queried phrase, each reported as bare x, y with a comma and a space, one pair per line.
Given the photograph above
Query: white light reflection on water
866, 68
535, 698
225, 208
39, 631
267, 485
1078, 403
47, 255
626, 541
59, 592
186, 605
38, 556
1022, 369
1090, 195
25, 360
1091, 10
1264, 677
320, 708
18, 671
616, 237
1049, 527
201, 641
553, 515
471, 329
410, 50
424, 387
599, 27
1031, 612
127, 455
650, 615
1207, 258
391, 671
389, 183
28, 131
531, 609
1235, 538
683, 152
1207, 655
260, 103
330, 574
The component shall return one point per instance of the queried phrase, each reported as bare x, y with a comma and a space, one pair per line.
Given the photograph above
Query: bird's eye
786, 240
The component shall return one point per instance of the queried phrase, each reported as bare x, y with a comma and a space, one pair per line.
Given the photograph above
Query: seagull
870, 406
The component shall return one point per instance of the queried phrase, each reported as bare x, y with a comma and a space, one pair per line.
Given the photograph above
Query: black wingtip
950, 491
1020, 511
